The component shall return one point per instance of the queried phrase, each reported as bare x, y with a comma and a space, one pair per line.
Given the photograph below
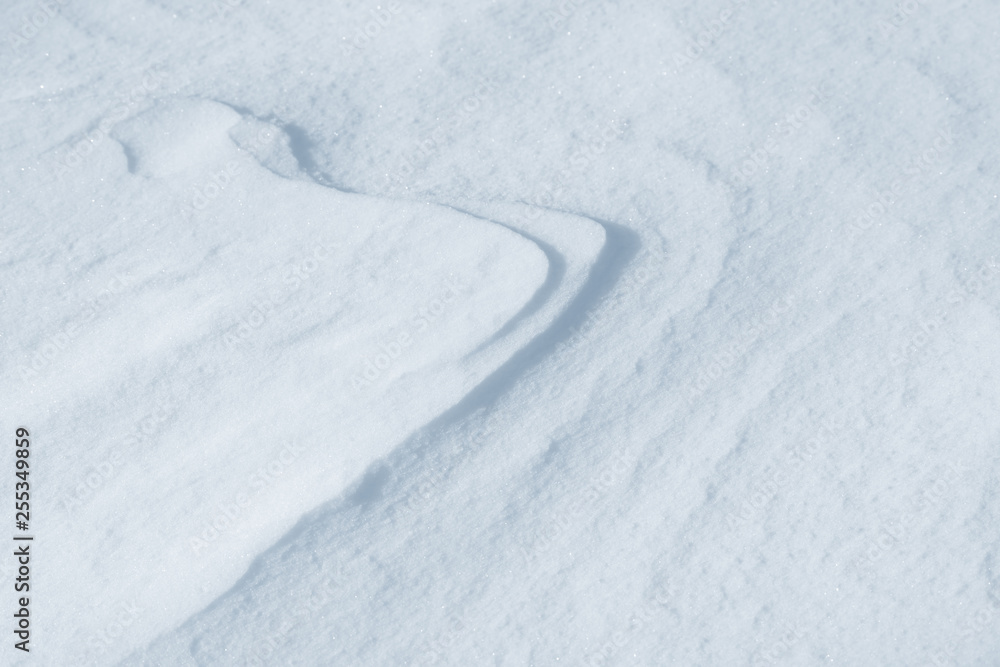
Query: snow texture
503, 333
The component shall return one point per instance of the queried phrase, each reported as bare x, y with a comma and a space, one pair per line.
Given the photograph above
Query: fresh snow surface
502, 333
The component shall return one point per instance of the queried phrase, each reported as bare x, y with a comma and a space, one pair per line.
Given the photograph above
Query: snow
503, 333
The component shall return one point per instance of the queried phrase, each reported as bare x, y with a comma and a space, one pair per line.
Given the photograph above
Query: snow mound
251, 350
